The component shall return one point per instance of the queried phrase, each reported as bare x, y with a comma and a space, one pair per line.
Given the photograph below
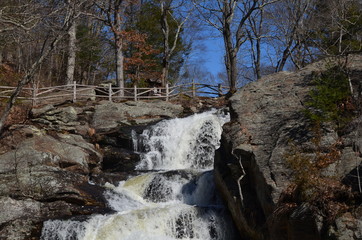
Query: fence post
167, 92
219, 89
34, 94
193, 88
110, 92
74, 91
135, 92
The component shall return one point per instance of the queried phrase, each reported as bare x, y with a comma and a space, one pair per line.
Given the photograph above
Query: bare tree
49, 44
339, 24
167, 10
290, 22
17, 20
79, 8
230, 17
256, 33
72, 33
113, 15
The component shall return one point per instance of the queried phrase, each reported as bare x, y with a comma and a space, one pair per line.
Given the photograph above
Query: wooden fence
76, 92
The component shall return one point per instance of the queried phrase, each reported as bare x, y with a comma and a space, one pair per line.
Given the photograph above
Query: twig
243, 173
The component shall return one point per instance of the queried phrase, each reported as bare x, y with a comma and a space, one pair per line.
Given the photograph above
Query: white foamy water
178, 201
182, 142
163, 222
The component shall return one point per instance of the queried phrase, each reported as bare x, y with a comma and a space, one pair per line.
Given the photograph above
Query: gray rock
347, 227
37, 165
87, 93
266, 117
19, 209
44, 177
66, 114
61, 118
37, 112
110, 116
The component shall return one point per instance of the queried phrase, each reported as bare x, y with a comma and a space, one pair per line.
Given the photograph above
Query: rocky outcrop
110, 116
43, 176
266, 117
58, 164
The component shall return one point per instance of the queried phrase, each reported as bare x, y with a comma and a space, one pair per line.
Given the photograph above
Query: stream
174, 197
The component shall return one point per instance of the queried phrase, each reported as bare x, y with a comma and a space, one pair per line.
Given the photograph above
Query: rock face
56, 166
44, 176
266, 116
110, 115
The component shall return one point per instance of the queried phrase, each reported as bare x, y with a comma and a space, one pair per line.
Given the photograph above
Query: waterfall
182, 143
174, 198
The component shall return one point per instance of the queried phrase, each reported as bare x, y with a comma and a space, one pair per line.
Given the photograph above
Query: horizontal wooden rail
75, 92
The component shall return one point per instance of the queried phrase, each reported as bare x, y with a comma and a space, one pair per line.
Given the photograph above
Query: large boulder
61, 118
110, 116
250, 167
44, 176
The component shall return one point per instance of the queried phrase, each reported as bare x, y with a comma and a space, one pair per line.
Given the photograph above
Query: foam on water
180, 203
182, 142
185, 186
165, 222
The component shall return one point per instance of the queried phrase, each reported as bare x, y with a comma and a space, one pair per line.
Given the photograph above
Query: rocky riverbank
54, 165
281, 177
268, 133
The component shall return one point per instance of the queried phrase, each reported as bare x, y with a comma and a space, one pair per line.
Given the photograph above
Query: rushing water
174, 199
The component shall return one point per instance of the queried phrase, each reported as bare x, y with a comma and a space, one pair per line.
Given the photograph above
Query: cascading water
175, 200
182, 143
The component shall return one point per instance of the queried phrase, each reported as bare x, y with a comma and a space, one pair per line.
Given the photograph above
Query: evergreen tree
149, 23
338, 28
88, 54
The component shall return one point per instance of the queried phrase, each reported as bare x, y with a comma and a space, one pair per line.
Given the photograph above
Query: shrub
327, 195
329, 100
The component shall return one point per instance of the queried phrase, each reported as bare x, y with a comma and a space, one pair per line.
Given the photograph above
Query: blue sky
213, 56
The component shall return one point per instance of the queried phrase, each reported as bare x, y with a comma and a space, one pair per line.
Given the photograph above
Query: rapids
175, 197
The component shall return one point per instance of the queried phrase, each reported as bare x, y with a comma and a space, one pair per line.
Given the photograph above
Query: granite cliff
268, 126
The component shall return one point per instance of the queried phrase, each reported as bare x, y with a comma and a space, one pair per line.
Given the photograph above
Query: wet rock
119, 159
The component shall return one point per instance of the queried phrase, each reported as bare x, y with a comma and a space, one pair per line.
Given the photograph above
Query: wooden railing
76, 92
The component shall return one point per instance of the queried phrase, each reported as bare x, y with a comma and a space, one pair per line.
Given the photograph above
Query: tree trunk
230, 61
71, 52
25, 80
258, 58
286, 53
282, 61
231, 69
169, 48
165, 68
116, 25
19, 56
233, 74
119, 64
166, 46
